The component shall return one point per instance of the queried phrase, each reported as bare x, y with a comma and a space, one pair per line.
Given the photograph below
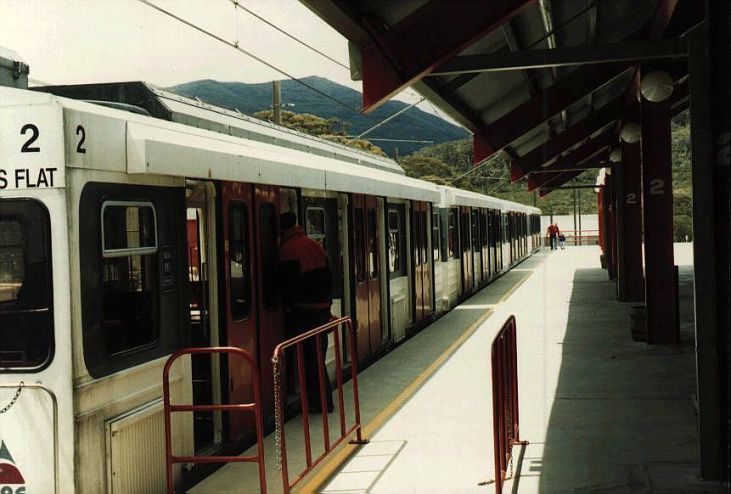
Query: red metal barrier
505, 400
255, 406
278, 359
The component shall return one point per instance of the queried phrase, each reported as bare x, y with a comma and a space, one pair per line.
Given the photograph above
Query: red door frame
239, 333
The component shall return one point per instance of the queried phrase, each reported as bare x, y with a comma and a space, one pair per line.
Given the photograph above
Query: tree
417, 166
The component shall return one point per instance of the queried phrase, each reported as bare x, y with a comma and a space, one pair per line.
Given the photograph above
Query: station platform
602, 414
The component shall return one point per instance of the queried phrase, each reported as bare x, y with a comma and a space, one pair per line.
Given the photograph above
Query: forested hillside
414, 124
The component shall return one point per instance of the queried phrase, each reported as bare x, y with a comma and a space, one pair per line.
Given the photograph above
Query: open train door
238, 293
366, 263
269, 316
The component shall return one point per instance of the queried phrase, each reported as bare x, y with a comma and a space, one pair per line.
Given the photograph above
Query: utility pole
277, 101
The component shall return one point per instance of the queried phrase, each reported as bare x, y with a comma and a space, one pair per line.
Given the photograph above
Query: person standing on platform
306, 287
553, 234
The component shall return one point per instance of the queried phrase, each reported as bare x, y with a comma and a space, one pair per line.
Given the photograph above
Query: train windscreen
26, 313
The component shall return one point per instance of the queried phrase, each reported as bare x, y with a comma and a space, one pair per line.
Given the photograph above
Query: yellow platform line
328, 469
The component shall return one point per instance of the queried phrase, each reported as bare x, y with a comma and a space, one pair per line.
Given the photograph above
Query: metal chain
277, 412
15, 398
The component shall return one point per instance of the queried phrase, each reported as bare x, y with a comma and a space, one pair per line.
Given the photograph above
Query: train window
451, 233
372, 244
394, 242
359, 241
238, 240
435, 235
483, 228
315, 225
269, 250
26, 319
129, 275
134, 305
423, 233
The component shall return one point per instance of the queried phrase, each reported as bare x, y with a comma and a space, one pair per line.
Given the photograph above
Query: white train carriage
125, 236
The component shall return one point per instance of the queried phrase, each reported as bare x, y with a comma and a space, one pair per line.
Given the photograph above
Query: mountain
414, 124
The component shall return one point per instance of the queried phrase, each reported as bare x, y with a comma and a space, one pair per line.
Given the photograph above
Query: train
135, 222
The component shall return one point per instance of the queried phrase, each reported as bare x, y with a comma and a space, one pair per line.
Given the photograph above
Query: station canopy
547, 82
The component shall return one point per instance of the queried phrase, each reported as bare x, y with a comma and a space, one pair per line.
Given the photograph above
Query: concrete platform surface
603, 414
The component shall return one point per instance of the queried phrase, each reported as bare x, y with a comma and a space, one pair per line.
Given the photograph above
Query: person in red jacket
553, 234
306, 288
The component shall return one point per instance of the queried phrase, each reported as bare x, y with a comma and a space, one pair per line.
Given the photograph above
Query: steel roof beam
558, 182
565, 140
594, 160
550, 102
570, 165
411, 49
563, 57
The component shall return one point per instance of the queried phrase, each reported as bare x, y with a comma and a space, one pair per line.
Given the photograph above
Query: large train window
451, 233
269, 250
396, 266
372, 244
238, 245
26, 318
129, 275
435, 235
134, 302
359, 241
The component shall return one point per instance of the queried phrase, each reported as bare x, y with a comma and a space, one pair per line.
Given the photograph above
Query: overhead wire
245, 52
235, 45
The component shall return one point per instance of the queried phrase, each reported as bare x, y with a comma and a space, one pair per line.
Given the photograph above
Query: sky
84, 41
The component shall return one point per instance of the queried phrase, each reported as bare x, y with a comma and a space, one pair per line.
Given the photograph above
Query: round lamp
656, 86
616, 155
631, 133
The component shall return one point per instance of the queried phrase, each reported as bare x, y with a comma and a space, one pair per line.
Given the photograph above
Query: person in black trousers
306, 287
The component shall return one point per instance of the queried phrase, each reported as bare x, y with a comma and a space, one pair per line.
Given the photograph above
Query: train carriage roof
139, 144
169, 106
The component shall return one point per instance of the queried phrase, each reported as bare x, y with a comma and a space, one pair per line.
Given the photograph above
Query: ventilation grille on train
398, 317
136, 451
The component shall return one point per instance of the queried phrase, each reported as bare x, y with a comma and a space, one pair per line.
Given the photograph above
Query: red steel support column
631, 273
657, 193
609, 233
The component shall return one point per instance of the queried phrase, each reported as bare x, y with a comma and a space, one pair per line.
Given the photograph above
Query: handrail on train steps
254, 406
278, 360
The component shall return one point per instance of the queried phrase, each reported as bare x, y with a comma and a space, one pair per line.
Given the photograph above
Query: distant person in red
306, 287
553, 234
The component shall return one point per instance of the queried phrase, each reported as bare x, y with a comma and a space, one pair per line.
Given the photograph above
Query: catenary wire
247, 53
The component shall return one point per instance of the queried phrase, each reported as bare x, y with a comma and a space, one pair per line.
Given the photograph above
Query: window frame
110, 253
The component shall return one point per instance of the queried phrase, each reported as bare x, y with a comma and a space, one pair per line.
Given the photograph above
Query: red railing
278, 359
255, 406
505, 400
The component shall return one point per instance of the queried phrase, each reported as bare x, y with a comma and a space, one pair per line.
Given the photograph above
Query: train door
476, 247
422, 264
366, 241
465, 243
504, 241
238, 293
484, 245
203, 315
270, 317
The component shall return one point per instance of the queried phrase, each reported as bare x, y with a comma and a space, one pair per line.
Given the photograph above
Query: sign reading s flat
31, 147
